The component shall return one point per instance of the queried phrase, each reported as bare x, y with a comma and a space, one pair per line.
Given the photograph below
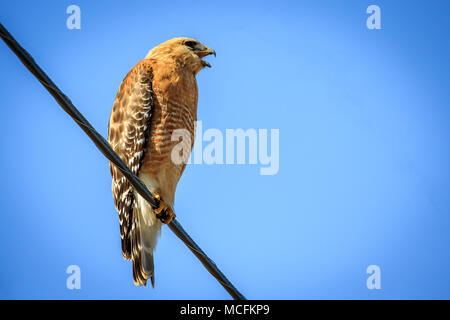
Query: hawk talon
164, 211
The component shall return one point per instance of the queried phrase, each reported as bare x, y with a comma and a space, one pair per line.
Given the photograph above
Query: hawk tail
143, 269
144, 244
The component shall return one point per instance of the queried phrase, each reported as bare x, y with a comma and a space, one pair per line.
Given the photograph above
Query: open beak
206, 52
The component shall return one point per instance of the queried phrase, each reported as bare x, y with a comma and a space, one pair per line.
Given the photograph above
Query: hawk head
185, 52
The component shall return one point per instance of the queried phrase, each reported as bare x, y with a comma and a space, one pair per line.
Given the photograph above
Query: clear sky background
364, 175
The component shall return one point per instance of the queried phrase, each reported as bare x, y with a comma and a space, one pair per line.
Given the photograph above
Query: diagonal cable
109, 153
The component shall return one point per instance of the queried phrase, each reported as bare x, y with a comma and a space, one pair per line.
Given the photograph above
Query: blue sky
363, 117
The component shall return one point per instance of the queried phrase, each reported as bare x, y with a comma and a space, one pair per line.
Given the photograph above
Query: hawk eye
191, 44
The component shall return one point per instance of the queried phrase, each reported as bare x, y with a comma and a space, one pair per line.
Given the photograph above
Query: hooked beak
206, 52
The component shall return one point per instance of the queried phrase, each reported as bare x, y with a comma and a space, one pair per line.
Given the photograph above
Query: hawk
157, 96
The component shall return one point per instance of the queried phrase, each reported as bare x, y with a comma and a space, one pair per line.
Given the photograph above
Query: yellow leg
164, 211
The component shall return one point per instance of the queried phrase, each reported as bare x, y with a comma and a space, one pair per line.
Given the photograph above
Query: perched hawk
159, 95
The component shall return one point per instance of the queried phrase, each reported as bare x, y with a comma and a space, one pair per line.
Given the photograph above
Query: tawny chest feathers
174, 108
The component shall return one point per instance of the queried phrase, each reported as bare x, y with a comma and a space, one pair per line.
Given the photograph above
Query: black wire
109, 153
